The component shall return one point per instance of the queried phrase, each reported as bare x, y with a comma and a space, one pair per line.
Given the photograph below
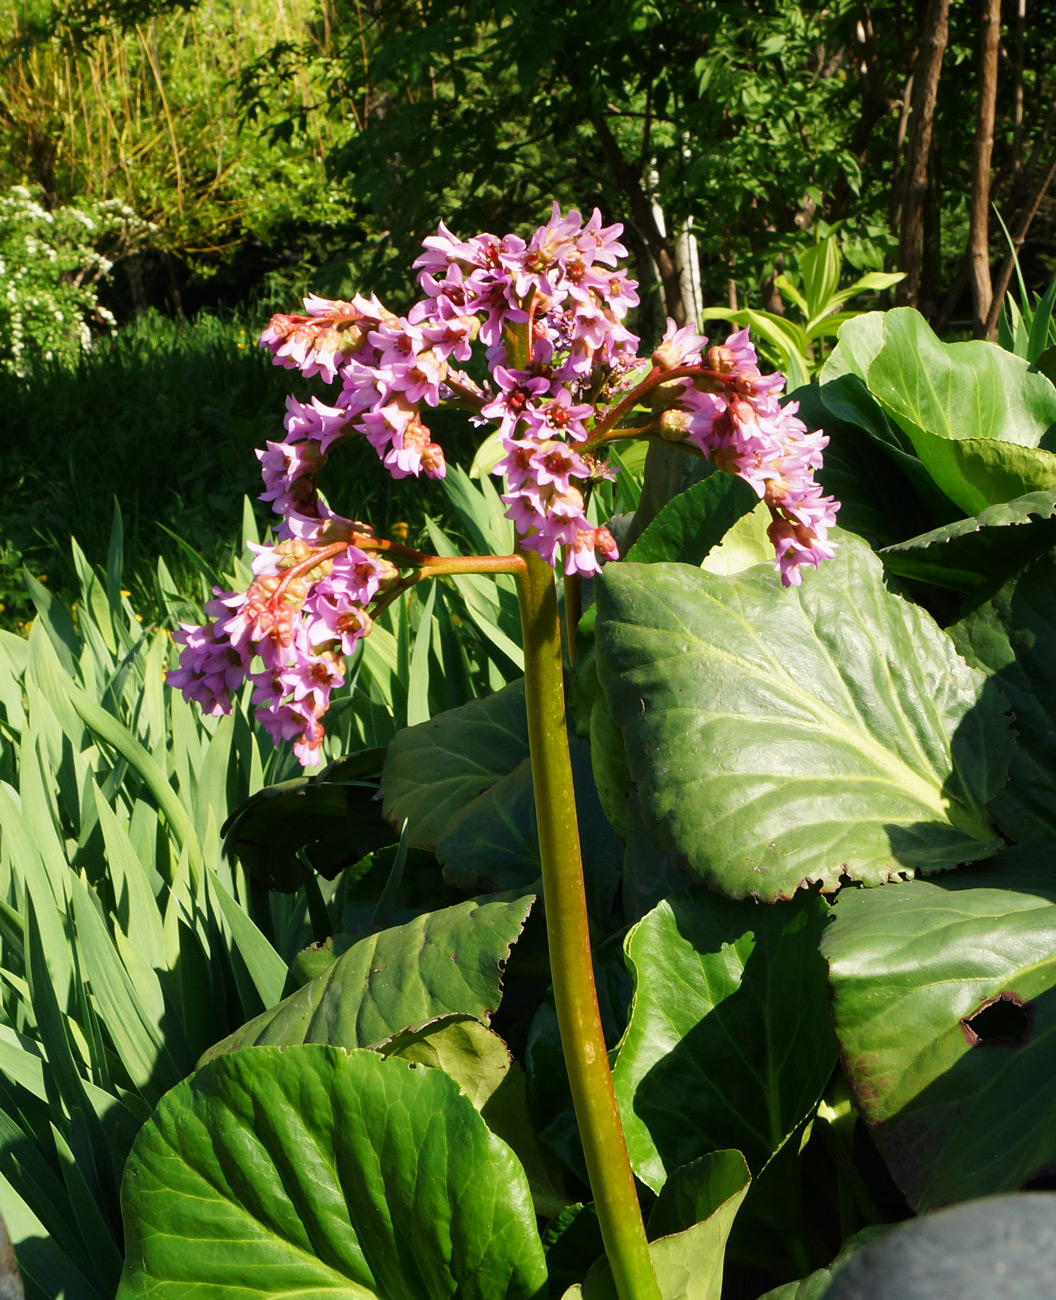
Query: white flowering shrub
51, 264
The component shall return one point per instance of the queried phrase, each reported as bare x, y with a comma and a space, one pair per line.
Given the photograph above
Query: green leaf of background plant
959, 390
965, 554
689, 526
820, 264
909, 967
446, 961
1011, 636
729, 1043
688, 1263
368, 1178
977, 472
780, 737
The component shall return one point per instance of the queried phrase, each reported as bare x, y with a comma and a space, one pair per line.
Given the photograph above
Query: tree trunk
979, 201
1019, 234
630, 183
915, 182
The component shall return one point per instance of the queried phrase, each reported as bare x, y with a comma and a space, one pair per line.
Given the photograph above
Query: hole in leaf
1041, 1180
1004, 1020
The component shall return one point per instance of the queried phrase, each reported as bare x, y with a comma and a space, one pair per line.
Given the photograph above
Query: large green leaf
434, 769
442, 962
729, 1043
493, 842
780, 737
464, 782
958, 390
964, 554
981, 421
312, 1171
945, 1008
1012, 636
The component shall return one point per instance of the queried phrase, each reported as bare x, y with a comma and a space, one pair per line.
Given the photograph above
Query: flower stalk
571, 967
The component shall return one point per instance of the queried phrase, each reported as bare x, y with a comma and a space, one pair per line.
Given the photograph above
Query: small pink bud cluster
726, 408
301, 616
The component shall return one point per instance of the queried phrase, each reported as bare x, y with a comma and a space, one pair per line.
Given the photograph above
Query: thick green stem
571, 969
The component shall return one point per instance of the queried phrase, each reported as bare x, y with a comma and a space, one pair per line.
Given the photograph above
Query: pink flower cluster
301, 616
565, 379
549, 312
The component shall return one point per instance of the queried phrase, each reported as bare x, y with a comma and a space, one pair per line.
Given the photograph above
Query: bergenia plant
566, 379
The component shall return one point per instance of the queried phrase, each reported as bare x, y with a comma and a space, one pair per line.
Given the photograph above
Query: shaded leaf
434, 769
689, 526
688, 1264
1011, 636
815, 1286
728, 1043
696, 1190
335, 821
964, 554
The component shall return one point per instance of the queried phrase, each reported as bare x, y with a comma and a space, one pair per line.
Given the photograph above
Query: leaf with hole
945, 1008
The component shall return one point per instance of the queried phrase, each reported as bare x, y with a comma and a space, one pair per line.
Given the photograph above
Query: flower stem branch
571, 968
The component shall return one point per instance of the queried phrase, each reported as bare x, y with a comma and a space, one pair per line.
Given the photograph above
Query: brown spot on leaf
1004, 1020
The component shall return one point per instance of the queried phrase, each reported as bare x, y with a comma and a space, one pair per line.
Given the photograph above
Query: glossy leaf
442, 962
728, 1043
780, 737
314, 1171
945, 1008
959, 390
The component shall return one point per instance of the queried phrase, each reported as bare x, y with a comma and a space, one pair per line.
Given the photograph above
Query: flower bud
433, 460
605, 543
721, 358
674, 425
